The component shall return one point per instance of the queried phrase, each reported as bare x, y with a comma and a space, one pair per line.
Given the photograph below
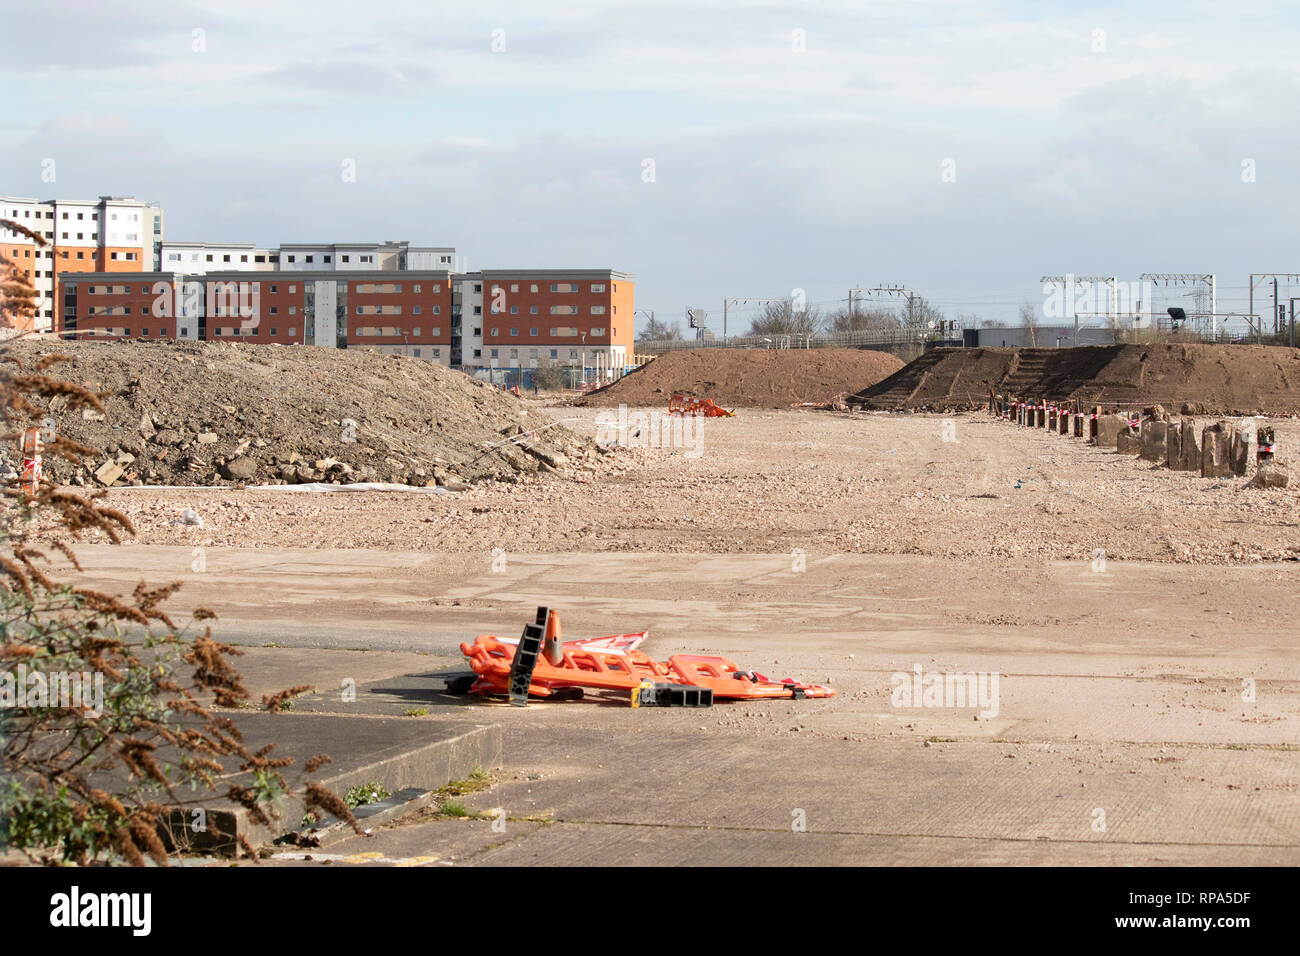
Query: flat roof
217, 245
122, 276
556, 274
392, 275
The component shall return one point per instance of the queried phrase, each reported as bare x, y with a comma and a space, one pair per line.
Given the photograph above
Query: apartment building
407, 313
199, 258
111, 234
497, 319
534, 317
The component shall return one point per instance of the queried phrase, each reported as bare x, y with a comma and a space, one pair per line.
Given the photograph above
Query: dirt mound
762, 378
212, 413
1211, 379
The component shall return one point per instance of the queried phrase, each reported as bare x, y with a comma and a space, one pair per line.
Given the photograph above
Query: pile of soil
1198, 379
202, 413
756, 378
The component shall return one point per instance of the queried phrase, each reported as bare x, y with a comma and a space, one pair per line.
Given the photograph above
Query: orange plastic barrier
579, 665
686, 405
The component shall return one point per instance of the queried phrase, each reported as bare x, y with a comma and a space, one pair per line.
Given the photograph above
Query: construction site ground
1128, 612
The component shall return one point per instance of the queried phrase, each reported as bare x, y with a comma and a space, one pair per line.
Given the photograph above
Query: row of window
372, 330
341, 258
556, 310
514, 353
194, 257
556, 333
371, 288
63, 254
246, 330
94, 216
395, 310
555, 287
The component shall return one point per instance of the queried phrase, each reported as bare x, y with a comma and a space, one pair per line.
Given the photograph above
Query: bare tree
1029, 319
862, 320
656, 330
780, 318
918, 314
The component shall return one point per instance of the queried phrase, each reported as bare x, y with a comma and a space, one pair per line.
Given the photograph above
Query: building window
416, 312
598, 287
495, 333
275, 310
273, 330
532, 310
532, 331
291, 258
514, 332
597, 332
514, 310
597, 310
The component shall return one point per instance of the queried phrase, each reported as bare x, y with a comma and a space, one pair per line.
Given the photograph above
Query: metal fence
866, 338
1044, 336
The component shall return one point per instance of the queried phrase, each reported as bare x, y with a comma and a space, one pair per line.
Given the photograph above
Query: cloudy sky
713, 149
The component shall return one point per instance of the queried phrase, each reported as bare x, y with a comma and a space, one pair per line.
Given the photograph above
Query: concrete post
1174, 445
1215, 440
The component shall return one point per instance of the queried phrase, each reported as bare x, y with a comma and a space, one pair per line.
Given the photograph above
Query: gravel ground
776, 481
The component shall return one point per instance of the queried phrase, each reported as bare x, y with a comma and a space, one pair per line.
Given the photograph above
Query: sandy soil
1163, 696
777, 481
753, 378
